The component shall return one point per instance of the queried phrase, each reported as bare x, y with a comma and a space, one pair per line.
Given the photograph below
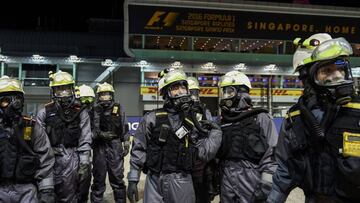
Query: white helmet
86, 91
234, 78
302, 55
193, 83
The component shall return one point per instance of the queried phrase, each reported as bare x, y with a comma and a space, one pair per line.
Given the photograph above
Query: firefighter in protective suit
111, 145
166, 145
318, 148
67, 126
201, 175
25, 158
249, 136
86, 96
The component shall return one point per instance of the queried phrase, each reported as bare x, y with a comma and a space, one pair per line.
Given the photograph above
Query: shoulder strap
161, 117
352, 105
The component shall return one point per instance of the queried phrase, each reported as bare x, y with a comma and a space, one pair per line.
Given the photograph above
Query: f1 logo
167, 20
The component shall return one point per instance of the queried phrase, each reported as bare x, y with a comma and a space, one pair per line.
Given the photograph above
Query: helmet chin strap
181, 103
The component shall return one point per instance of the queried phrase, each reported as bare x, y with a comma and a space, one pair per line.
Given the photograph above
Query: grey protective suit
12, 192
240, 178
171, 187
67, 160
199, 175
84, 185
108, 158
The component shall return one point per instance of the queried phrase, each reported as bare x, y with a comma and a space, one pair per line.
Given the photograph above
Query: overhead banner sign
213, 92
159, 20
204, 91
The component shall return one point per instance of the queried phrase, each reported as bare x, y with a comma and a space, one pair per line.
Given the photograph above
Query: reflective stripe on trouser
108, 158
18, 193
66, 175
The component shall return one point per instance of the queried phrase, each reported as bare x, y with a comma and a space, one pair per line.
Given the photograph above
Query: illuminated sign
213, 91
158, 20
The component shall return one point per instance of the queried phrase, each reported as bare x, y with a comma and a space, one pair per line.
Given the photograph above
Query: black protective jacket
325, 163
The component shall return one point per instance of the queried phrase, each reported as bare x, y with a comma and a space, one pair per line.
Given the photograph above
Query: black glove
209, 125
126, 147
107, 135
132, 192
47, 196
261, 192
211, 191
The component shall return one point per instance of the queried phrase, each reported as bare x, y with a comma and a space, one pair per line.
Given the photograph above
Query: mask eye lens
332, 73
178, 89
105, 96
62, 91
228, 92
18, 98
86, 100
5, 101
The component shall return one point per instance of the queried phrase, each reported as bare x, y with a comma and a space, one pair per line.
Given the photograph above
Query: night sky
64, 15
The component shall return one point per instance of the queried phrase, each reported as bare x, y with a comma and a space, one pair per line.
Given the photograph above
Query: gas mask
11, 106
332, 79
234, 98
105, 99
179, 96
88, 101
64, 95
194, 94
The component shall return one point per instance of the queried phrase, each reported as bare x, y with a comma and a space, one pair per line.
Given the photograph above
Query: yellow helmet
86, 91
60, 78
10, 85
193, 83
170, 76
105, 87
234, 78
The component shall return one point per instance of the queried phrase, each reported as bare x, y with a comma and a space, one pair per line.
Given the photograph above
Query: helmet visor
332, 73
5, 101
63, 91
178, 89
332, 49
228, 92
105, 96
86, 100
